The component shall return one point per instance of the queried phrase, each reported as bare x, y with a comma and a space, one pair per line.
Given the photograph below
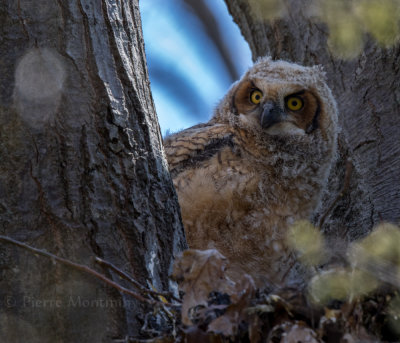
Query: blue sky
187, 73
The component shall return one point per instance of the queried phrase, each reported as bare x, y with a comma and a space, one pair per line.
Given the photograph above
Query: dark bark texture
367, 92
82, 170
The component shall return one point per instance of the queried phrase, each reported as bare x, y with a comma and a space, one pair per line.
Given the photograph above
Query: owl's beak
272, 114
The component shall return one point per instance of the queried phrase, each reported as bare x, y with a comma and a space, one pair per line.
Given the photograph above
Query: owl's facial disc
280, 109
271, 114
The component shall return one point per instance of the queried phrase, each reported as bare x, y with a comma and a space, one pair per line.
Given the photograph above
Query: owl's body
256, 167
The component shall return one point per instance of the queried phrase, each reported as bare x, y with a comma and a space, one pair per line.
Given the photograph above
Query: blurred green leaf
381, 244
307, 241
341, 284
380, 19
267, 9
348, 21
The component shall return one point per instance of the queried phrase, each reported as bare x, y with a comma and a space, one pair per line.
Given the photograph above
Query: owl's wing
198, 143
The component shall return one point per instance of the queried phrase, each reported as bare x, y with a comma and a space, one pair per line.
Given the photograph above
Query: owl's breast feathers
237, 196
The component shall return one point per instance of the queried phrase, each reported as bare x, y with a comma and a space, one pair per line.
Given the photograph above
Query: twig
82, 268
127, 277
346, 184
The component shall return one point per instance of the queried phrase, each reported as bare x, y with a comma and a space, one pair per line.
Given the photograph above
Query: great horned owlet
256, 167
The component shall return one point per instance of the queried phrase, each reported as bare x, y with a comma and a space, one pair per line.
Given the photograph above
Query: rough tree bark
82, 172
366, 90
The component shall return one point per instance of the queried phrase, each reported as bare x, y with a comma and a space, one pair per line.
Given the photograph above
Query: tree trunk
82, 170
366, 90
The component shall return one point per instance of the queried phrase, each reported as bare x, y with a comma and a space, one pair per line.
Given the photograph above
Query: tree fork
365, 90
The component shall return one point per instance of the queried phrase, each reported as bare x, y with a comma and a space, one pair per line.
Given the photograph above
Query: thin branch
127, 277
346, 184
82, 268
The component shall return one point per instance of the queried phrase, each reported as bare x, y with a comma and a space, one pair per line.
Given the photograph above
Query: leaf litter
358, 301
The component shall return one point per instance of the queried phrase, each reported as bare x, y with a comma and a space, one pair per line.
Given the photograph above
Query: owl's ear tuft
319, 71
233, 107
240, 97
263, 59
231, 98
226, 105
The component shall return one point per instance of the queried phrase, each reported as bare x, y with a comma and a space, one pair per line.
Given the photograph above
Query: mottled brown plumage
256, 167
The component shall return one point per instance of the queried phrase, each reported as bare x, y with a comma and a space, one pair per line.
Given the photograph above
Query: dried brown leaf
293, 332
211, 298
360, 336
193, 334
228, 323
299, 333
199, 273
255, 328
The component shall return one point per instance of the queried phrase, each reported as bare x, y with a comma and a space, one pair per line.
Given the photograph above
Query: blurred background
194, 52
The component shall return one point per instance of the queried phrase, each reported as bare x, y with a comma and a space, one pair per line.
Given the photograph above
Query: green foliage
373, 261
307, 240
349, 21
380, 18
268, 9
341, 284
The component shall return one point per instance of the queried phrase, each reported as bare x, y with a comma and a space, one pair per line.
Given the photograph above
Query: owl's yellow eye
294, 103
255, 96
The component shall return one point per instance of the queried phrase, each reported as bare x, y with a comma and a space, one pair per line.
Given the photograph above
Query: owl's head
281, 98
